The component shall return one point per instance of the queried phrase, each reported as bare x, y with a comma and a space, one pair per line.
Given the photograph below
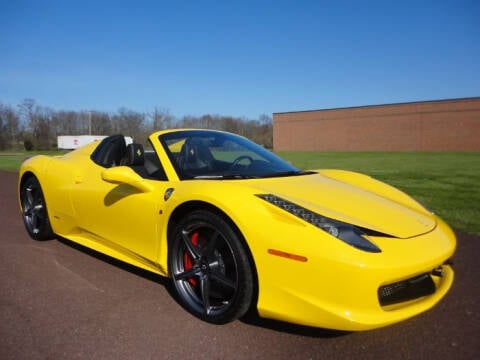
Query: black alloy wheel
210, 268
34, 210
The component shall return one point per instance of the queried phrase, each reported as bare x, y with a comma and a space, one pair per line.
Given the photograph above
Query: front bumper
339, 287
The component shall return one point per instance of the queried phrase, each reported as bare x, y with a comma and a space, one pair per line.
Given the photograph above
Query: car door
118, 215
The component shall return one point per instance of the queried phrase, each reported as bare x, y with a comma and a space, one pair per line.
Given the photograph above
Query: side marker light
287, 255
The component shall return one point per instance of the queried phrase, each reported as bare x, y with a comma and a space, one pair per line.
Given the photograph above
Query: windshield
203, 154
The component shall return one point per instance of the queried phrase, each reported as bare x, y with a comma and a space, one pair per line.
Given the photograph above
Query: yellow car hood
355, 205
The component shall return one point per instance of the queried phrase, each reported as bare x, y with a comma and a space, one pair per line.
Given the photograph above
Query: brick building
443, 125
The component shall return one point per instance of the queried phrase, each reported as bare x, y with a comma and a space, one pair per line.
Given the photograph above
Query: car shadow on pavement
251, 318
119, 264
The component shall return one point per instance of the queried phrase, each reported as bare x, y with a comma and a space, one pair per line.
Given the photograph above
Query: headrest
135, 155
196, 149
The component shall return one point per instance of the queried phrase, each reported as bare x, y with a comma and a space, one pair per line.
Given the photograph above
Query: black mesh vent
406, 290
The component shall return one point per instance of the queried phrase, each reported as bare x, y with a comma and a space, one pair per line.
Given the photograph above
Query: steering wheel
239, 159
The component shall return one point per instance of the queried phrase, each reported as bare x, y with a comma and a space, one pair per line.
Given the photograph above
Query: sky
237, 58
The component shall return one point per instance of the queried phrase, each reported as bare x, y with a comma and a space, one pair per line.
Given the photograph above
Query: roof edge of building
379, 105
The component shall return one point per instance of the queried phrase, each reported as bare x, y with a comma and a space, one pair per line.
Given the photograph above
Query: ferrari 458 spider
237, 228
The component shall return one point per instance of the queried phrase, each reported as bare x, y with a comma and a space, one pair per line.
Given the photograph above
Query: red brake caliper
187, 259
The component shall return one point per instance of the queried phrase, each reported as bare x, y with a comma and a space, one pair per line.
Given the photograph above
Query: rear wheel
210, 268
34, 210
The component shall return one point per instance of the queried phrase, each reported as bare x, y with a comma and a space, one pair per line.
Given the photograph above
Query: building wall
444, 125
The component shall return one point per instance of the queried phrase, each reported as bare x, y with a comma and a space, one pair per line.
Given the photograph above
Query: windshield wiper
289, 173
242, 176
224, 177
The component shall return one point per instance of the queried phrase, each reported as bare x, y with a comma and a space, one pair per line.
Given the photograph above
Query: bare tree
265, 131
38, 120
101, 123
25, 110
41, 125
130, 123
3, 133
66, 122
161, 119
9, 126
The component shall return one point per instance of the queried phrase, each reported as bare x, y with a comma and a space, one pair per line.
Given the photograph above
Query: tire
34, 210
210, 268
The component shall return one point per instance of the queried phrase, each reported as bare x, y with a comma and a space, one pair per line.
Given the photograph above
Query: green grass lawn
447, 183
11, 160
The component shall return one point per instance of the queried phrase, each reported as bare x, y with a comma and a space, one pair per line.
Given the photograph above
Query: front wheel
210, 268
34, 210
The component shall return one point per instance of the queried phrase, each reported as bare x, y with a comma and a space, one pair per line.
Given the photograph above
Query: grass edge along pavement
445, 182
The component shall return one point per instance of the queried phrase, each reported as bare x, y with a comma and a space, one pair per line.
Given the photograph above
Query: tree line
31, 126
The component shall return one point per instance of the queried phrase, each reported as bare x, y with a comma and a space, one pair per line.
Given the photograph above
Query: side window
110, 151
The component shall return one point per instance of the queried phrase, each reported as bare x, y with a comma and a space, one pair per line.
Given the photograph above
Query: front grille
406, 290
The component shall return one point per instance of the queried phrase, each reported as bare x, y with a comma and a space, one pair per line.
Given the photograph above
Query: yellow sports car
237, 228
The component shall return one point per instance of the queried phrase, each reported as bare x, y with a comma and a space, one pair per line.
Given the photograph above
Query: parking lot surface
61, 301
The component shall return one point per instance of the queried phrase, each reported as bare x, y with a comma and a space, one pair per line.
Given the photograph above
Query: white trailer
71, 142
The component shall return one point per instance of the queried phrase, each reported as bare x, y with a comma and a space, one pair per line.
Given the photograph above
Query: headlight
347, 233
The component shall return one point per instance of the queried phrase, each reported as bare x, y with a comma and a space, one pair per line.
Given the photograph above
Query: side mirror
125, 175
